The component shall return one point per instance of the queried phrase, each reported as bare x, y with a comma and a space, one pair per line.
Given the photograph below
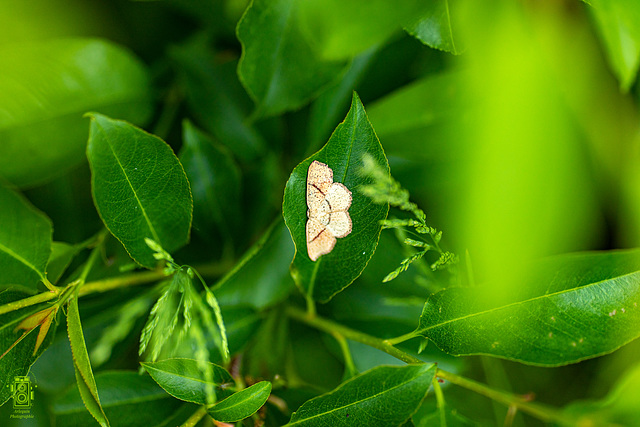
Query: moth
328, 203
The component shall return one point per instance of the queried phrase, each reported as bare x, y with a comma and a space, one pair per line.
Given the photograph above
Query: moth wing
339, 197
339, 224
319, 180
319, 240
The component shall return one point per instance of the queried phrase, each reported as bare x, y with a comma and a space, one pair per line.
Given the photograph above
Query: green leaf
217, 100
618, 22
433, 26
215, 183
569, 308
60, 258
331, 105
84, 374
139, 188
278, 67
341, 29
343, 154
242, 404
46, 87
367, 398
128, 399
25, 240
261, 277
183, 379
416, 108
621, 407
17, 361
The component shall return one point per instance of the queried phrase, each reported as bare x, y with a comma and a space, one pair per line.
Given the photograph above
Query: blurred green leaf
84, 374
343, 154
217, 100
46, 87
183, 379
261, 277
327, 109
365, 399
621, 407
618, 22
215, 183
415, 107
278, 66
139, 187
528, 188
242, 404
342, 29
17, 361
129, 399
61, 256
567, 309
25, 240
433, 26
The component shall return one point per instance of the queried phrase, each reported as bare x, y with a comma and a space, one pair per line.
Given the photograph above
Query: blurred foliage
513, 127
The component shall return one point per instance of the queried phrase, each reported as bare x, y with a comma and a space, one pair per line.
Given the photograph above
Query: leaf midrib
14, 255
524, 302
148, 366
245, 399
142, 209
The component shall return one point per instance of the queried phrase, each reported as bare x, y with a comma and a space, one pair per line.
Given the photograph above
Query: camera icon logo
22, 393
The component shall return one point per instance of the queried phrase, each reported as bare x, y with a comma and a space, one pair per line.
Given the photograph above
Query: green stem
401, 338
195, 418
440, 402
26, 302
540, 411
121, 282
140, 278
331, 327
346, 353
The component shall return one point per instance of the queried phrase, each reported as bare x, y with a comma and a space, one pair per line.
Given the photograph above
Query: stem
346, 353
539, 411
195, 417
50, 285
26, 302
401, 338
440, 402
121, 282
331, 327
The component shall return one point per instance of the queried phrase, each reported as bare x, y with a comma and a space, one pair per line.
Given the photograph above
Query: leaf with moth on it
365, 399
343, 154
139, 188
242, 404
25, 240
84, 374
18, 347
328, 214
565, 309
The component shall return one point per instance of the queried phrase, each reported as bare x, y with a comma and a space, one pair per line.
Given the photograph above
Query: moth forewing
328, 203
